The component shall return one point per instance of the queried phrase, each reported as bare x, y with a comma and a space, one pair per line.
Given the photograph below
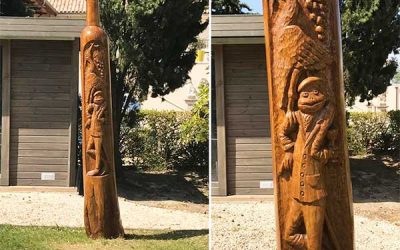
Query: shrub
391, 142
369, 132
153, 143
194, 133
156, 142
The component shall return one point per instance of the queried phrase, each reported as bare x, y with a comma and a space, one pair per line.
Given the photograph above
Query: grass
32, 238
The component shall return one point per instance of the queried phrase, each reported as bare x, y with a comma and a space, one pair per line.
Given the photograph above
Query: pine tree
153, 47
14, 8
370, 33
220, 7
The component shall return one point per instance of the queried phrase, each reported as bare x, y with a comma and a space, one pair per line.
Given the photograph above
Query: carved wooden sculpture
311, 167
102, 217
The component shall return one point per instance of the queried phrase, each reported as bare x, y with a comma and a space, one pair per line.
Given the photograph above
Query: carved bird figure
299, 50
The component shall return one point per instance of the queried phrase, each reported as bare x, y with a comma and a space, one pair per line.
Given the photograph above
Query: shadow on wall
375, 179
158, 187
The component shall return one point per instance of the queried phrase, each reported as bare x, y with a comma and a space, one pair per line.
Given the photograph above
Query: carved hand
89, 120
287, 163
322, 155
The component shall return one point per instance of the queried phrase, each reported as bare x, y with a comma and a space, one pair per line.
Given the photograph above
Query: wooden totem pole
313, 195
102, 217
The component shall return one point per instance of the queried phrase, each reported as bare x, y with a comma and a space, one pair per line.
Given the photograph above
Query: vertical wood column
313, 195
102, 216
5, 124
221, 133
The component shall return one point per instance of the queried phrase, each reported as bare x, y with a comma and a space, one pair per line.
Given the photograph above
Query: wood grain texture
101, 211
311, 168
249, 156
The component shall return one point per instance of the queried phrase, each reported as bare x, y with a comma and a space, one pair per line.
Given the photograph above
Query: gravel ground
251, 225
66, 209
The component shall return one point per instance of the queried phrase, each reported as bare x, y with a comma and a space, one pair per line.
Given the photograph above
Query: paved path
66, 209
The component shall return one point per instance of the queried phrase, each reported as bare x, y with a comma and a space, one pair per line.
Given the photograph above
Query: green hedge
377, 133
156, 142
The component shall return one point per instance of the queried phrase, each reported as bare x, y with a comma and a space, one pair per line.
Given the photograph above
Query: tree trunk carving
311, 167
101, 211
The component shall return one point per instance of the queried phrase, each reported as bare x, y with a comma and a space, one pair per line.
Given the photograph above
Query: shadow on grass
172, 235
140, 186
375, 179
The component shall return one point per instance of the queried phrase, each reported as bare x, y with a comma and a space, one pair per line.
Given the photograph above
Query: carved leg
98, 142
90, 148
314, 216
294, 218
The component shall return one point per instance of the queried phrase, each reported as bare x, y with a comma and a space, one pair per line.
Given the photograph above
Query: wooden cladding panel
41, 102
231, 26
249, 155
40, 28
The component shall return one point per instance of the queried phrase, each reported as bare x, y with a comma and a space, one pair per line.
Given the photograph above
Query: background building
39, 82
241, 136
390, 100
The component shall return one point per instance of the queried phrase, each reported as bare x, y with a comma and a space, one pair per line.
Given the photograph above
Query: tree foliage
370, 132
196, 128
158, 142
370, 32
153, 48
220, 7
14, 8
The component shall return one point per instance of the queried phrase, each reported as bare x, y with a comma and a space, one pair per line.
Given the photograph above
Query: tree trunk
118, 94
101, 211
312, 184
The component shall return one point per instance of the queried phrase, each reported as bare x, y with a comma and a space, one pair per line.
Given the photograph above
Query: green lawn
32, 238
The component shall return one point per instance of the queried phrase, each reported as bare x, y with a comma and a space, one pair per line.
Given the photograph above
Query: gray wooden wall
41, 106
248, 143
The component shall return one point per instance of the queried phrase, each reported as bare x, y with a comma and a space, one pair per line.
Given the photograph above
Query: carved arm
290, 125
89, 113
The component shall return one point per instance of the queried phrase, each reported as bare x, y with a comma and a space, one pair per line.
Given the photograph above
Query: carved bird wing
296, 50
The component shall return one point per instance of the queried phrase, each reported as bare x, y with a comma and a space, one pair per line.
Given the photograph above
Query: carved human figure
307, 138
96, 108
96, 117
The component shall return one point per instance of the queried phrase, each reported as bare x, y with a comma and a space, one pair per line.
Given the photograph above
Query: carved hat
98, 93
316, 81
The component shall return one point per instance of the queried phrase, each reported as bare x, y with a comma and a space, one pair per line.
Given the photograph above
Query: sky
255, 5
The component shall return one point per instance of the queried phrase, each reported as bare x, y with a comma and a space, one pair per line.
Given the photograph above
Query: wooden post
313, 196
221, 133
102, 217
5, 123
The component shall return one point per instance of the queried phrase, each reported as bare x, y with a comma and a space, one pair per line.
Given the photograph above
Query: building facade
241, 136
39, 84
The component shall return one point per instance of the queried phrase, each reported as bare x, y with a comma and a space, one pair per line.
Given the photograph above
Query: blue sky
255, 5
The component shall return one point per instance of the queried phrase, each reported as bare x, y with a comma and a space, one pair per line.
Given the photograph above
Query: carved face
98, 99
311, 99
